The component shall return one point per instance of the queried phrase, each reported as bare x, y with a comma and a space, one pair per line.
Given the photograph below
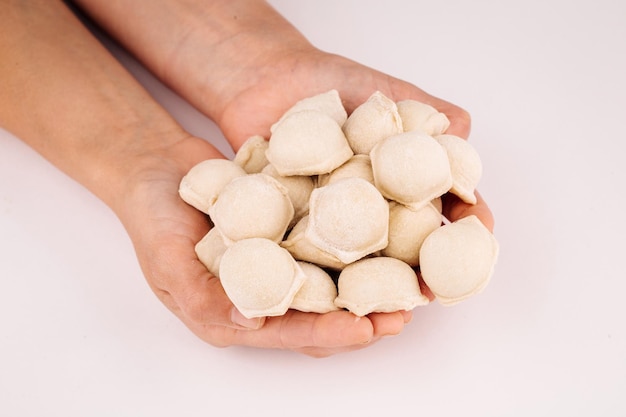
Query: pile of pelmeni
337, 212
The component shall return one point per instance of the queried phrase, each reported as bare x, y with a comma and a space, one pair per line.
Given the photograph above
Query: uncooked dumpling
357, 197
379, 284
465, 166
299, 189
251, 156
359, 166
303, 250
328, 103
407, 230
204, 181
260, 277
457, 259
348, 219
411, 168
420, 116
255, 205
371, 122
307, 142
210, 250
318, 293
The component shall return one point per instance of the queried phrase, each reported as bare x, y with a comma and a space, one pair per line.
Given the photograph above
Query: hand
291, 77
164, 231
243, 76
133, 156
196, 296
166, 238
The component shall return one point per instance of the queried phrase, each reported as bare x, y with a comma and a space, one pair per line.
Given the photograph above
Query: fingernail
239, 320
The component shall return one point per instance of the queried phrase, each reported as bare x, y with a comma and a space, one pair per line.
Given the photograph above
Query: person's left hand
164, 230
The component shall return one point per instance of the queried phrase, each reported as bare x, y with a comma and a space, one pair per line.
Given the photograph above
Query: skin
70, 100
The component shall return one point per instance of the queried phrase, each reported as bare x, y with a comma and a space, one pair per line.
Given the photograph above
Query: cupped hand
164, 231
284, 79
262, 96
307, 71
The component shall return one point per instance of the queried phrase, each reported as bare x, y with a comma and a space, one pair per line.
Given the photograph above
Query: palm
257, 106
164, 231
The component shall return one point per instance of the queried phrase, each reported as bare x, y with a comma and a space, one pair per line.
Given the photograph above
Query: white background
545, 81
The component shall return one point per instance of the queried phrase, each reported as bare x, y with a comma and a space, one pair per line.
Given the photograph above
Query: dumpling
411, 168
408, 229
251, 156
465, 166
379, 284
308, 142
204, 181
299, 189
420, 116
210, 250
371, 122
255, 205
348, 219
457, 259
358, 166
303, 250
260, 277
318, 293
328, 103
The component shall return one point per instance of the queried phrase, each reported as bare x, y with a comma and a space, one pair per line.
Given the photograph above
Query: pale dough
372, 122
318, 293
348, 219
411, 168
379, 284
255, 205
204, 181
307, 142
457, 259
260, 277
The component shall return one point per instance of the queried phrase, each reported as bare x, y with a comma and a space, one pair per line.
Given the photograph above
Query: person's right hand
282, 80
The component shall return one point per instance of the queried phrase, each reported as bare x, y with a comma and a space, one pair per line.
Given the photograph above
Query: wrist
77, 106
231, 47
206, 50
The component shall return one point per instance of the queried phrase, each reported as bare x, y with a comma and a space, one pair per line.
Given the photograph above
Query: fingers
295, 330
455, 209
316, 335
198, 299
389, 324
